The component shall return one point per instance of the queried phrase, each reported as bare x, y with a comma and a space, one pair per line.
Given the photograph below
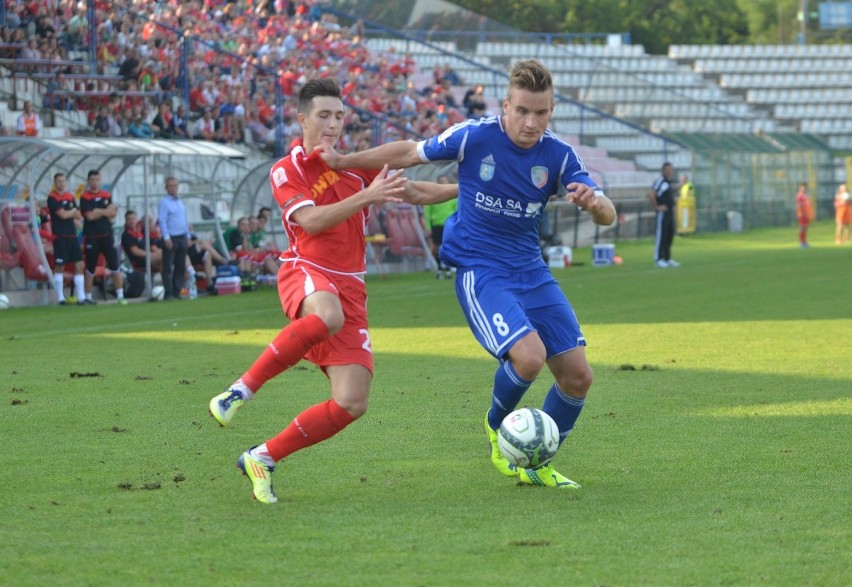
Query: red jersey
804, 209
300, 180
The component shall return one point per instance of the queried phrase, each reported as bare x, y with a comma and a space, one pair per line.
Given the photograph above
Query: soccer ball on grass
528, 438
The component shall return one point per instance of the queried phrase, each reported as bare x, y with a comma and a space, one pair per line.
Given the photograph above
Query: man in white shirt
204, 128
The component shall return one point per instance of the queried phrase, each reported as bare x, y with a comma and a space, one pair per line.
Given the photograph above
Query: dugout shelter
133, 170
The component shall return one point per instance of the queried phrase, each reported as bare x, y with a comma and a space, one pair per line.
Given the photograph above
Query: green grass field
714, 448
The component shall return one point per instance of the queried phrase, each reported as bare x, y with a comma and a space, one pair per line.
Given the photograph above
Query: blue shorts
501, 308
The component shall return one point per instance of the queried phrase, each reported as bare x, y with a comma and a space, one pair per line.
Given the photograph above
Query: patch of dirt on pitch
631, 367
78, 375
529, 543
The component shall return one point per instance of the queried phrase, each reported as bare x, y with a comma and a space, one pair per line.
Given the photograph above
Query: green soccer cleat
224, 406
260, 476
547, 476
497, 459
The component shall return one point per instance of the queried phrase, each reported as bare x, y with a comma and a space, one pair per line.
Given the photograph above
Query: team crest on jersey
279, 177
486, 168
538, 175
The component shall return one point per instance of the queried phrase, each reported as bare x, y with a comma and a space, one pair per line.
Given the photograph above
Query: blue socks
564, 410
509, 388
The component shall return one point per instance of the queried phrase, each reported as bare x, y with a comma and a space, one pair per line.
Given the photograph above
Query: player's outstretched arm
593, 201
421, 193
385, 188
396, 155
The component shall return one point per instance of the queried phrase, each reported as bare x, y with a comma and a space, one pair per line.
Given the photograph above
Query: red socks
288, 348
318, 422
314, 425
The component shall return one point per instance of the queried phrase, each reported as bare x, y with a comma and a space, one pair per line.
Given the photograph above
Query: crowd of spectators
240, 52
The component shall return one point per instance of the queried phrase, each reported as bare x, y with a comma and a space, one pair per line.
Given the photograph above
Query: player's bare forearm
396, 155
384, 188
421, 193
316, 219
593, 201
603, 211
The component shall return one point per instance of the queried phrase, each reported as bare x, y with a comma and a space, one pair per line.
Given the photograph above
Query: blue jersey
503, 189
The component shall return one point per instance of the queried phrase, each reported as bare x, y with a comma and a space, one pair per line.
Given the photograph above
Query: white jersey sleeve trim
421, 152
295, 207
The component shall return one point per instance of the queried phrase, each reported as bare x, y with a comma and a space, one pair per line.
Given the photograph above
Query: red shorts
351, 345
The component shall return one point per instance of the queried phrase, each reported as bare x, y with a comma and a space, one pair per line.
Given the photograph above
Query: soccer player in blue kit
509, 167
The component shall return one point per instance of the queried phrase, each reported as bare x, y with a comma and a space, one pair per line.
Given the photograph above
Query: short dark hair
58, 175
316, 88
93, 172
128, 213
262, 210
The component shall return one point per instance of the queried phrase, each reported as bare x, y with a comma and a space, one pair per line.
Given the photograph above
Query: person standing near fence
804, 214
662, 196
174, 232
64, 216
99, 213
434, 217
842, 215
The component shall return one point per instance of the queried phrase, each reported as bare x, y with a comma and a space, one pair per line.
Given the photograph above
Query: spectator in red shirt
197, 101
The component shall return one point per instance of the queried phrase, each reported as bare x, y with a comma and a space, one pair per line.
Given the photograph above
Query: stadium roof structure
103, 147
746, 143
29, 161
24, 155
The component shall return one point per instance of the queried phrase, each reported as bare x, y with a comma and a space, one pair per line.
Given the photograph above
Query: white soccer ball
528, 438
4, 302
158, 292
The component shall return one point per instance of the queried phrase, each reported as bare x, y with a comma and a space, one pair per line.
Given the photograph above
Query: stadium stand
806, 88
618, 105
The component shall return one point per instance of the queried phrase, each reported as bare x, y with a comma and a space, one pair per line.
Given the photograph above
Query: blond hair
530, 75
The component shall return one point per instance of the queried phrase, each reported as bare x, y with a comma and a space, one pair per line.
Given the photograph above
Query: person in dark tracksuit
662, 196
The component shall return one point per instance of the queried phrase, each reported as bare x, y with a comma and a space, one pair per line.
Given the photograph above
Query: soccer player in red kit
804, 213
320, 284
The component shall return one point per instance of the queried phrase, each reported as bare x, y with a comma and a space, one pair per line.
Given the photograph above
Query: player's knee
577, 383
355, 408
528, 365
333, 319
528, 357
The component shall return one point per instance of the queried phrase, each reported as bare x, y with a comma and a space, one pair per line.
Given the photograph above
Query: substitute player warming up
321, 287
509, 166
